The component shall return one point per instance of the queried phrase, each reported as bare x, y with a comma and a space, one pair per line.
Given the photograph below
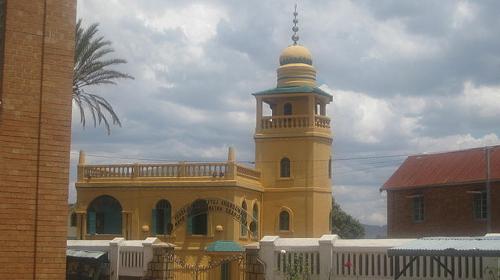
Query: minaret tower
293, 148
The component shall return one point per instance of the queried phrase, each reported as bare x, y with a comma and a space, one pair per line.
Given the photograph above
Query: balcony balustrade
296, 121
219, 170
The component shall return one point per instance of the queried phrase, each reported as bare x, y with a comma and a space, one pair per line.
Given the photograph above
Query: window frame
285, 170
161, 225
198, 217
418, 209
480, 205
289, 224
244, 219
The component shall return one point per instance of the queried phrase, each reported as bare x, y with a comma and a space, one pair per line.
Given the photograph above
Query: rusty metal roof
449, 168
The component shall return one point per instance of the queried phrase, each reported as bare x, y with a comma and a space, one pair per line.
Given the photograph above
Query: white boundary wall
126, 257
330, 257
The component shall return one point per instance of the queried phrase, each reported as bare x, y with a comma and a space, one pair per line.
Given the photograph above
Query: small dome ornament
295, 28
296, 62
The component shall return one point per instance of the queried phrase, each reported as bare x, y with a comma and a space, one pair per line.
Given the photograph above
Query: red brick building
36, 75
445, 194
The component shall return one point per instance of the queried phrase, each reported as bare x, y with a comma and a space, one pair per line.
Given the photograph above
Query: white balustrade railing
329, 257
215, 170
297, 121
294, 121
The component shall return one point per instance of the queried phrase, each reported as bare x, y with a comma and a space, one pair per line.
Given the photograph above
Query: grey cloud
242, 57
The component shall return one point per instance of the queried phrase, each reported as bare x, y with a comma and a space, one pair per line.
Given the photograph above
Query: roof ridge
454, 151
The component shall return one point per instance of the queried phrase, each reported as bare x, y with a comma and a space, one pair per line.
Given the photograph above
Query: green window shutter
153, 222
91, 223
190, 225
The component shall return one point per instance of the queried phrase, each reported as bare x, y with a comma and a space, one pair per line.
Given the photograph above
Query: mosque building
195, 205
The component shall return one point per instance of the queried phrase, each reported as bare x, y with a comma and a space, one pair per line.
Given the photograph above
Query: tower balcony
293, 121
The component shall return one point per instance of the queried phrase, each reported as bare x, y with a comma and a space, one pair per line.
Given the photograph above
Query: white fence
329, 257
126, 257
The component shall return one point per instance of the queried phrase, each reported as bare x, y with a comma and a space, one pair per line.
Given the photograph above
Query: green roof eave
288, 90
224, 246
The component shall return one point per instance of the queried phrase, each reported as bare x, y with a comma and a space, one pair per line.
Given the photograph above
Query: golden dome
295, 54
296, 67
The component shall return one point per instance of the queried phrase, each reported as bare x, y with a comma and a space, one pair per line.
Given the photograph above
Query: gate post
266, 254
254, 268
114, 257
161, 267
326, 255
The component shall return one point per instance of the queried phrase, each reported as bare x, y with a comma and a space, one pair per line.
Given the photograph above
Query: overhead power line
245, 161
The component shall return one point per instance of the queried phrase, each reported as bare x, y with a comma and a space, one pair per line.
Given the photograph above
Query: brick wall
35, 132
254, 268
448, 212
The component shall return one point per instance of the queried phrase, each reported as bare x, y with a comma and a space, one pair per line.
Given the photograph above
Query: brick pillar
254, 268
35, 136
161, 267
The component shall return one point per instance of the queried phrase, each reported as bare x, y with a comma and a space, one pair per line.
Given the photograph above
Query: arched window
198, 218
72, 222
285, 168
243, 226
104, 216
287, 109
161, 218
255, 214
284, 221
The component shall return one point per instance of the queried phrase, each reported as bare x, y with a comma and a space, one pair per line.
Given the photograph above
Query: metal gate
228, 268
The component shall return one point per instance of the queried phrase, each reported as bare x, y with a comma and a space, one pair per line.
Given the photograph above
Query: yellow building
287, 193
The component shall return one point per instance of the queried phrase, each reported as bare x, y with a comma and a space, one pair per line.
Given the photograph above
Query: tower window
285, 168
161, 218
243, 226
284, 220
287, 109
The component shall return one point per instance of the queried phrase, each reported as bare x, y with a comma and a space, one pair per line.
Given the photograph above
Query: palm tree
91, 69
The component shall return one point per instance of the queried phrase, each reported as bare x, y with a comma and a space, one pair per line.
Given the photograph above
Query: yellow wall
138, 201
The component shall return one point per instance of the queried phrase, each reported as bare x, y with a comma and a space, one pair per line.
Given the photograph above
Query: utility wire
244, 161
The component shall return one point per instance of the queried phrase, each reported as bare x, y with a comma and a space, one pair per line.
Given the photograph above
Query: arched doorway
104, 216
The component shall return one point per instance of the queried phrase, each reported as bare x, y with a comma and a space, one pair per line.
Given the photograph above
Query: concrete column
326, 255
147, 245
312, 109
114, 257
323, 109
266, 254
258, 120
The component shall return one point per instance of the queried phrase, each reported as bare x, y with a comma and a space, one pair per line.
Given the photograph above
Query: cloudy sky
407, 77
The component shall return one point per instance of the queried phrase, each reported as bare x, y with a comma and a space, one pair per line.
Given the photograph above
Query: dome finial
295, 28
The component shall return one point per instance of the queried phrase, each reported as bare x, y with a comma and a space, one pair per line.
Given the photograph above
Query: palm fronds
92, 68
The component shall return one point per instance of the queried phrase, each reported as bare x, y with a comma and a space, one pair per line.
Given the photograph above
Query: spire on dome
295, 28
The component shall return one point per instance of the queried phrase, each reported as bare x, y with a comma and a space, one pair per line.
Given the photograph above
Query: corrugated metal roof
457, 167
449, 246
85, 254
